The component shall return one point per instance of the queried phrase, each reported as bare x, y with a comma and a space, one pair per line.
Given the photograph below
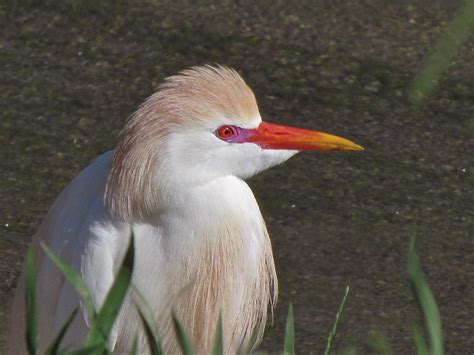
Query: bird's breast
208, 256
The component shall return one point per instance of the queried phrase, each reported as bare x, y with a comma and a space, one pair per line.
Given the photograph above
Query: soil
72, 72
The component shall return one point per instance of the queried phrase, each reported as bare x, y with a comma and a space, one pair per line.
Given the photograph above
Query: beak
272, 136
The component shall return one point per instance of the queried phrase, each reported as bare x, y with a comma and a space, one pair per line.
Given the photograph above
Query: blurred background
73, 71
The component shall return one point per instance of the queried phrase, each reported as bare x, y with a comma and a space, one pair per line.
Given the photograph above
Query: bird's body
175, 182
223, 258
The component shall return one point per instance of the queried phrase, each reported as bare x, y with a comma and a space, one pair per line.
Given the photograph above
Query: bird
176, 181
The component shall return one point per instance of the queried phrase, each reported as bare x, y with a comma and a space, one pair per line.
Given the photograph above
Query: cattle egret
176, 181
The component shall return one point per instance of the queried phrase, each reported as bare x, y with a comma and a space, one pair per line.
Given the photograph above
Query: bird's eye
226, 132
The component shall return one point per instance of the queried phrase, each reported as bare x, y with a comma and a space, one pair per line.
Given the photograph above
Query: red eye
226, 132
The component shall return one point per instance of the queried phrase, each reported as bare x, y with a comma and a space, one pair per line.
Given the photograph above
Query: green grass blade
334, 327
30, 302
102, 325
246, 348
183, 338
154, 344
143, 304
96, 348
378, 343
134, 348
427, 302
289, 345
218, 348
420, 344
444, 51
53, 348
74, 279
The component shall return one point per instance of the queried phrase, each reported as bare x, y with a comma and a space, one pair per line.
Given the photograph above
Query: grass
30, 303
102, 320
443, 53
289, 344
333, 330
428, 305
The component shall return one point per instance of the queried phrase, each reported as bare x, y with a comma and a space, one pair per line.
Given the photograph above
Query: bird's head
200, 125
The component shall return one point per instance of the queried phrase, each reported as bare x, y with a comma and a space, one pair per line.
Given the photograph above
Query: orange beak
272, 136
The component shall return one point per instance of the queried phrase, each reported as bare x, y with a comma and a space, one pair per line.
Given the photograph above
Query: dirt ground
73, 71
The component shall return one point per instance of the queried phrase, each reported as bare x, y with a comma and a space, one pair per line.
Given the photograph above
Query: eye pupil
226, 132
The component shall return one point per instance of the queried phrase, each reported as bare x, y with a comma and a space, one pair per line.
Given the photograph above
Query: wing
76, 230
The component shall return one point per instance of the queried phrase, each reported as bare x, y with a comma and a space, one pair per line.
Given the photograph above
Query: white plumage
175, 181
